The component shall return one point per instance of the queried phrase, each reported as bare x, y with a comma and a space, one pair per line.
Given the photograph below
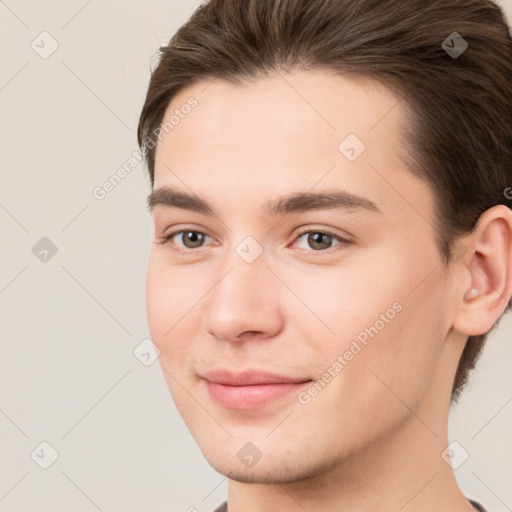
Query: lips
250, 377
250, 389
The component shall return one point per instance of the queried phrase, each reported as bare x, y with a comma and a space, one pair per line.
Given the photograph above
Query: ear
488, 261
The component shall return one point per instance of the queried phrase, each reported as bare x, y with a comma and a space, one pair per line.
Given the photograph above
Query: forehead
286, 115
287, 132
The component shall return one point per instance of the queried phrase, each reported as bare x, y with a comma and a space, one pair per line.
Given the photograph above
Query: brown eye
185, 240
192, 239
318, 241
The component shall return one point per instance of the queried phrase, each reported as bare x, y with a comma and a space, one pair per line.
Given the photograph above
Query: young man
333, 240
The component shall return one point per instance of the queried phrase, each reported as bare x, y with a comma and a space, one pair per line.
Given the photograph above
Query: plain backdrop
72, 279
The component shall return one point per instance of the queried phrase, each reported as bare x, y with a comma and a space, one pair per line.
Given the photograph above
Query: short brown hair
459, 107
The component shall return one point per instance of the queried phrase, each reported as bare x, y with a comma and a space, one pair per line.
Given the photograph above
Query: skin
372, 438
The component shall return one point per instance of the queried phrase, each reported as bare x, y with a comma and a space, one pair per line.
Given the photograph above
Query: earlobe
489, 264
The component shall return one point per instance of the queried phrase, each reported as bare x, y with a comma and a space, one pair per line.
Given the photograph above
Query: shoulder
476, 506
224, 507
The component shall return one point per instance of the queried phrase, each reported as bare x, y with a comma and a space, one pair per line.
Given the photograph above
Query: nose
244, 304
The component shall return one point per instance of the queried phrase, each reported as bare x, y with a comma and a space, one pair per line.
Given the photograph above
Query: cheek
157, 296
170, 296
401, 355
383, 365
342, 303
378, 324
175, 301
167, 303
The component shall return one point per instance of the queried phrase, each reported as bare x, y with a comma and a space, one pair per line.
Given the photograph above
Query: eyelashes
324, 233
315, 237
170, 236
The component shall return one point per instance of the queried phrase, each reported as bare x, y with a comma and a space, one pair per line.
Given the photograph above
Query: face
338, 289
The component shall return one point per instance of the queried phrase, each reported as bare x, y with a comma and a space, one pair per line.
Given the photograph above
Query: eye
190, 239
319, 240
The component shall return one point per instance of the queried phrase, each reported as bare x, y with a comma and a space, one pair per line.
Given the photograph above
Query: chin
279, 467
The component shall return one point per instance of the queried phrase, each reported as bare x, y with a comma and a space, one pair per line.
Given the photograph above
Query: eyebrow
291, 203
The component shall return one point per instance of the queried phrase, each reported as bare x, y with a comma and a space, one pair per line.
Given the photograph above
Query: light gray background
68, 327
